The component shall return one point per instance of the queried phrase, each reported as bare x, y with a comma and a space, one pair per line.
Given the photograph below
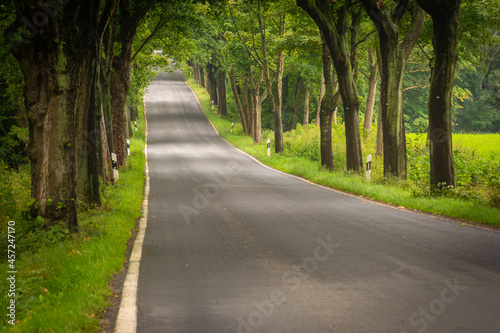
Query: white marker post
135, 123
212, 105
232, 125
368, 167
128, 147
114, 163
268, 147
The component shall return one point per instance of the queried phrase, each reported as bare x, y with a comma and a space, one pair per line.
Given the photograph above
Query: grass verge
62, 285
397, 194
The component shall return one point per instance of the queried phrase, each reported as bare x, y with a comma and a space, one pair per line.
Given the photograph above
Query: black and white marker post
368, 167
114, 163
128, 147
135, 123
232, 125
268, 147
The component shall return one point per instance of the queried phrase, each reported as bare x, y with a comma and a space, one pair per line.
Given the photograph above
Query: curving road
233, 246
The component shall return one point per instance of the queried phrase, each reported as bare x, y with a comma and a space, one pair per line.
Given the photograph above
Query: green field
481, 145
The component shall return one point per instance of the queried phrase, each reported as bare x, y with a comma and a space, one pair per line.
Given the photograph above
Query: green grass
482, 145
395, 192
62, 286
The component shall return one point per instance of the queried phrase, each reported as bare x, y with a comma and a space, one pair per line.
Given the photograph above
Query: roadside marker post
212, 105
268, 147
128, 147
232, 125
135, 123
368, 167
114, 163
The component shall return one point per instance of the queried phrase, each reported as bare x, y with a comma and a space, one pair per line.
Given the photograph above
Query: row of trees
74, 61
335, 49
67, 69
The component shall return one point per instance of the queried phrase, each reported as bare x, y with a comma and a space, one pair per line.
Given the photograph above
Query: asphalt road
233, 246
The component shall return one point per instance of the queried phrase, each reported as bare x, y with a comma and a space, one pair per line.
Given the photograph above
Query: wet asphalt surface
232, 246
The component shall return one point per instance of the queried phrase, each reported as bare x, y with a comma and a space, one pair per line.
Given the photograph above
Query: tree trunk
247, 108
329, 104
285, 95
296, 99
238, 101
119, 85
221, 93
320, 98
58, 95
336, 37
307, 96
395, 51
201, 72
276, 108
196, 72
208, 88
380, 134
391, 98
372, 91
446, 18
212, 78
120, 75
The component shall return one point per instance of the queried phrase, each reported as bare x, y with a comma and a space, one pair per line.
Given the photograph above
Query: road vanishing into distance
234, 246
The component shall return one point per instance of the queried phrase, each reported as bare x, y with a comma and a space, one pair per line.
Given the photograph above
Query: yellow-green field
484, 145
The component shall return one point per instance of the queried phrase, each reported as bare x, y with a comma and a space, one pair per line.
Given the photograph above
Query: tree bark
276, 107
202, 76
212, 86
221, 93
394, 54
320, 98
307, 96
372, 91
334, 30
243, 116
296, 99
446, 19
59, 67
329, 104
120, 75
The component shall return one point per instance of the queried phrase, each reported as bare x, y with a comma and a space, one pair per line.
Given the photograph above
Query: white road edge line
126, 321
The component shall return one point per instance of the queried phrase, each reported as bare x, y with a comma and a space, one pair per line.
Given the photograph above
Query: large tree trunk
329, 104
335, 34
446, 18
221, 93
276, 107
58, 95
120, 75
395, 51
119, 85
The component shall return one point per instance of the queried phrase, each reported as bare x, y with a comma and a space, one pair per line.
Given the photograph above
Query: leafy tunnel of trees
69, 97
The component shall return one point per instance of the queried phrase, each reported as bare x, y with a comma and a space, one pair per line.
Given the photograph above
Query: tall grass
475, 198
